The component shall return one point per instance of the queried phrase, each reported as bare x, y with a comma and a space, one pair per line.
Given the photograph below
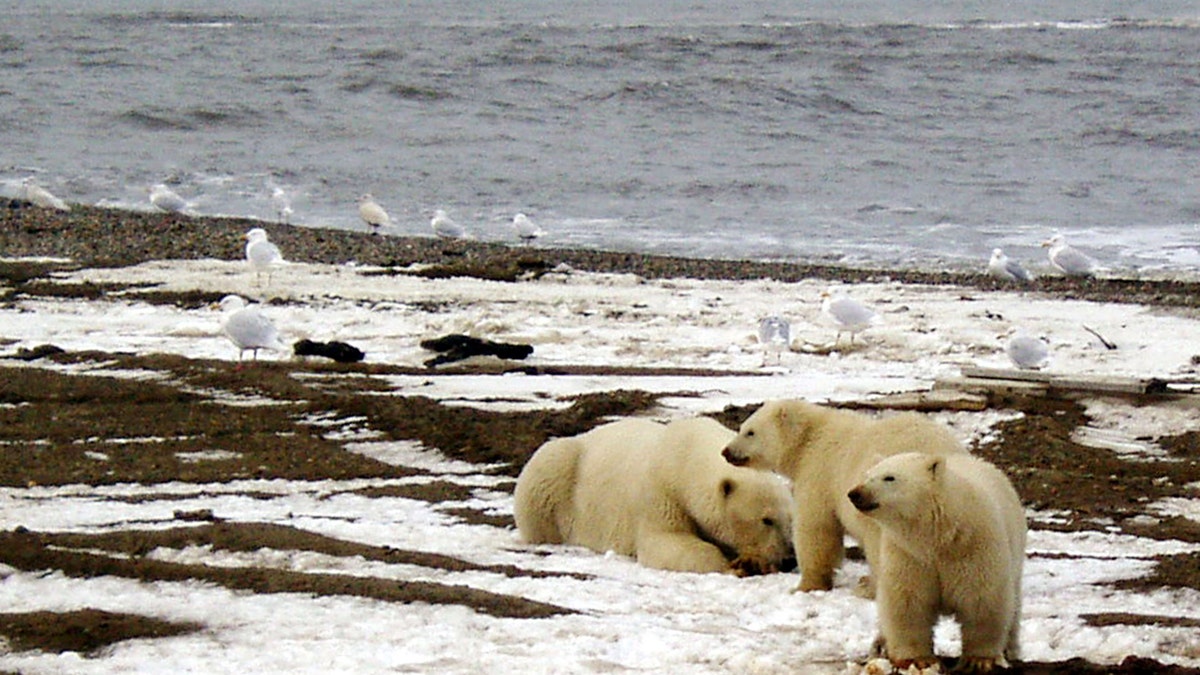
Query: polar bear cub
660, 492
824, 452
952, 542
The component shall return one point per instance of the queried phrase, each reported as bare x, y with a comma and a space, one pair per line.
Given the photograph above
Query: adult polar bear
952, 542
825, 452
659, 492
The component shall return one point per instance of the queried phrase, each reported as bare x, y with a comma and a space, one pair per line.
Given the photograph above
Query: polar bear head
756, 520
771, 434
899, 489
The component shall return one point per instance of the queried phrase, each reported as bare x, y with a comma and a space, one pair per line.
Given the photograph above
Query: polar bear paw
743, 566
978, 664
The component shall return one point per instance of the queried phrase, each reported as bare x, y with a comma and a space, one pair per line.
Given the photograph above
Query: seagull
850, 316
526, 229
775, 335
1067, 259
40, 196
372, 213
262, 255
247, 328
1003, 268
446, 228
1028, 353
282, 203
165, 199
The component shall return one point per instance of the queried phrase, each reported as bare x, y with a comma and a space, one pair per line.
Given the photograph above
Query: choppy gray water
863, 132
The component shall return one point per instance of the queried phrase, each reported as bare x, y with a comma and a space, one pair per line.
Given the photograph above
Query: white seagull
40, 196
446, 228
247, 328
372, 213
1001, 267
283, 204
1067, 259
850, 316
1027, 352
775, 335
526, 229
262, 254
166, 199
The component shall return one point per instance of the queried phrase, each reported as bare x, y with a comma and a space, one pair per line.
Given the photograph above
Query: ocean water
893, 133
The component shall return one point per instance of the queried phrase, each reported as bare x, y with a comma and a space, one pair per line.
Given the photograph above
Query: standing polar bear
659, 492
952, 542
825, 451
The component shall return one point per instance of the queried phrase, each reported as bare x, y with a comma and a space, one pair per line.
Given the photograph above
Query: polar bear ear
727, 487
935, 467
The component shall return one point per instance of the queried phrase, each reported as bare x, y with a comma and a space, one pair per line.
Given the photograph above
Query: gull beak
1046, 244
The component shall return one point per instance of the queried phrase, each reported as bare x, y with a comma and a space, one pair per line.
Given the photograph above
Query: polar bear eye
889, 479
769, 522
749, 433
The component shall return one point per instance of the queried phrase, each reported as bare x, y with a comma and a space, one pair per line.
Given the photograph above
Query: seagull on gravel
850, 316
282, 203
40, 196
1068, 259
372, 213
166, 199
262, 254
446, 228
526, 229
247, 328
1002, 268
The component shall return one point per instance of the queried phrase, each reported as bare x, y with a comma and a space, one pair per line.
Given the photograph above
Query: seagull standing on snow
166, 199
1027, 352
526, 229
372, 213
262, 254
40, 196
775, 335
247, 328
446, 228
1003, 268
850, 316
1067, 259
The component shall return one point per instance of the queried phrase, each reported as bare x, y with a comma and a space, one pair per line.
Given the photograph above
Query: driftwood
935, 400
1044, 383
456, 347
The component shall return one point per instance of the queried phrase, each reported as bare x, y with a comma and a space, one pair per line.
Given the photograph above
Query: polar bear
952, 542
825, 451
660, 492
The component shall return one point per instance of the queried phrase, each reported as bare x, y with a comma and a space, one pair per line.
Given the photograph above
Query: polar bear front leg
907, 600
819, 550
680, 552
986, 630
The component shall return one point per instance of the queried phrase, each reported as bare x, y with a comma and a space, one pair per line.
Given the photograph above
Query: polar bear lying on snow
662, 493
952, 542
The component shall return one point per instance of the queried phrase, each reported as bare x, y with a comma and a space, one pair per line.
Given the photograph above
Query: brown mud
53, 426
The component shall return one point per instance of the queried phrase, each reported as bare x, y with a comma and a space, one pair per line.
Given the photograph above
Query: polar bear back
568, 489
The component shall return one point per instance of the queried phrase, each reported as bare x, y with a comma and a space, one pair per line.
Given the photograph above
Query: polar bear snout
862, 499
733, 457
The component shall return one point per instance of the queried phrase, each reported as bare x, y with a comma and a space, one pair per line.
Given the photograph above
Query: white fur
659, 492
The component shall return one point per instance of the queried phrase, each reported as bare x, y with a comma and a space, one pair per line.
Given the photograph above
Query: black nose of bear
732, 457
861, 500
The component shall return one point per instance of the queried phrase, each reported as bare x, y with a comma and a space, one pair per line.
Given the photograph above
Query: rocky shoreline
92, 237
